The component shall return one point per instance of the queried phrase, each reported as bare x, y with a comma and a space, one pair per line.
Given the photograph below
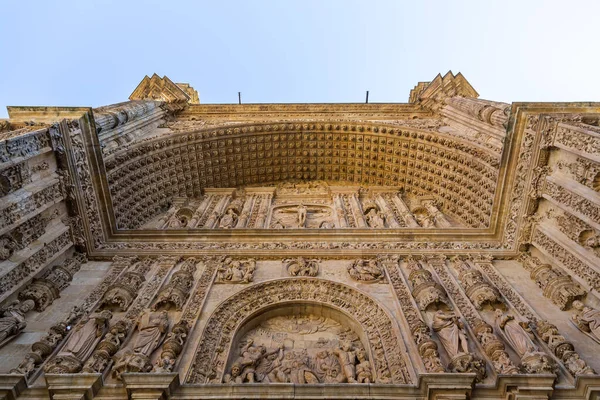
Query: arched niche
242, 312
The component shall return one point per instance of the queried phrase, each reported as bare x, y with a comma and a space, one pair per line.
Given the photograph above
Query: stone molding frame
384, 337
509, 226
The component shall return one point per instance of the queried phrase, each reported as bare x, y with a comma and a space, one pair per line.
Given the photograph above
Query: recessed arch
381, 334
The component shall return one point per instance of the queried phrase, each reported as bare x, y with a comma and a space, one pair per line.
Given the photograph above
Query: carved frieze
301, 266
367, 271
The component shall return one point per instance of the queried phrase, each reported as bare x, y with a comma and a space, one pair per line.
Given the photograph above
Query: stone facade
445, 248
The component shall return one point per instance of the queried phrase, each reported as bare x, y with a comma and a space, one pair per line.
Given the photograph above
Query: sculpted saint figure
228, 220
151, 333
374, 219
347, 359
587, 319
86, 336
451, 333
517, 334
13, 321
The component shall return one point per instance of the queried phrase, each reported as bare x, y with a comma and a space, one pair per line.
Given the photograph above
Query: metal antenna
239, 97
367, 99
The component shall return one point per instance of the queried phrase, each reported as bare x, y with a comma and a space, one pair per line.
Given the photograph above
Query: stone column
200, 211
357, 211
245, 214
490, 112
390, 218
264, 209
440, 219
340, 213
408, 217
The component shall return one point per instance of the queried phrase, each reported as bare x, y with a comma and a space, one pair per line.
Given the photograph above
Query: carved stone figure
347, 358
366, 271
151, 333
13, 321
244, 369
236, 271
363, 368
302, 267
328, 368
450, 332
7, 246
517, 334
107, 348
80, 345
152, 328
228, 220
172, 347
587, 320
375, 218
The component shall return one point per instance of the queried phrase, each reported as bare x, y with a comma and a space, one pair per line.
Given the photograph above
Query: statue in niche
517, 334
152, 329
366, 271
302, 267
236, 271
7, 247
229, 219
375, 219
151, 333
587, 320
451, 332
590, 239
13, 321
81, 344
347, 359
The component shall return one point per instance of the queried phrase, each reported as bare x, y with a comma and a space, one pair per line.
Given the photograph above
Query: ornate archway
380, 333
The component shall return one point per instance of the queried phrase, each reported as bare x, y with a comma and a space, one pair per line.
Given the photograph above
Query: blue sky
93, 53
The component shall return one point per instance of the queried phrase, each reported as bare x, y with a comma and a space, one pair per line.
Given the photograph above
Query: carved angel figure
587, 320
236, 271
302, 267
451, 333
366, 271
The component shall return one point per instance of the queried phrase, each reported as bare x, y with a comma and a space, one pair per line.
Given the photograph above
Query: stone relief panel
300, 346
304, 338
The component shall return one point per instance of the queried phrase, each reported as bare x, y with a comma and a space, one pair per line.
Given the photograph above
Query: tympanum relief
300, 348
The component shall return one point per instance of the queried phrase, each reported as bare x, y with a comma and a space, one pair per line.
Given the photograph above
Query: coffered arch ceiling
461, 176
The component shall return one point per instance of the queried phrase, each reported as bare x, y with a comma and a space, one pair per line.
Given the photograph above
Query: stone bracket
73, 386
155, 386
11, 386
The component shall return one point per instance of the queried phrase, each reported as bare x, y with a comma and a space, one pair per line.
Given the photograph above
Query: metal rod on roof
367, 99
240, 97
